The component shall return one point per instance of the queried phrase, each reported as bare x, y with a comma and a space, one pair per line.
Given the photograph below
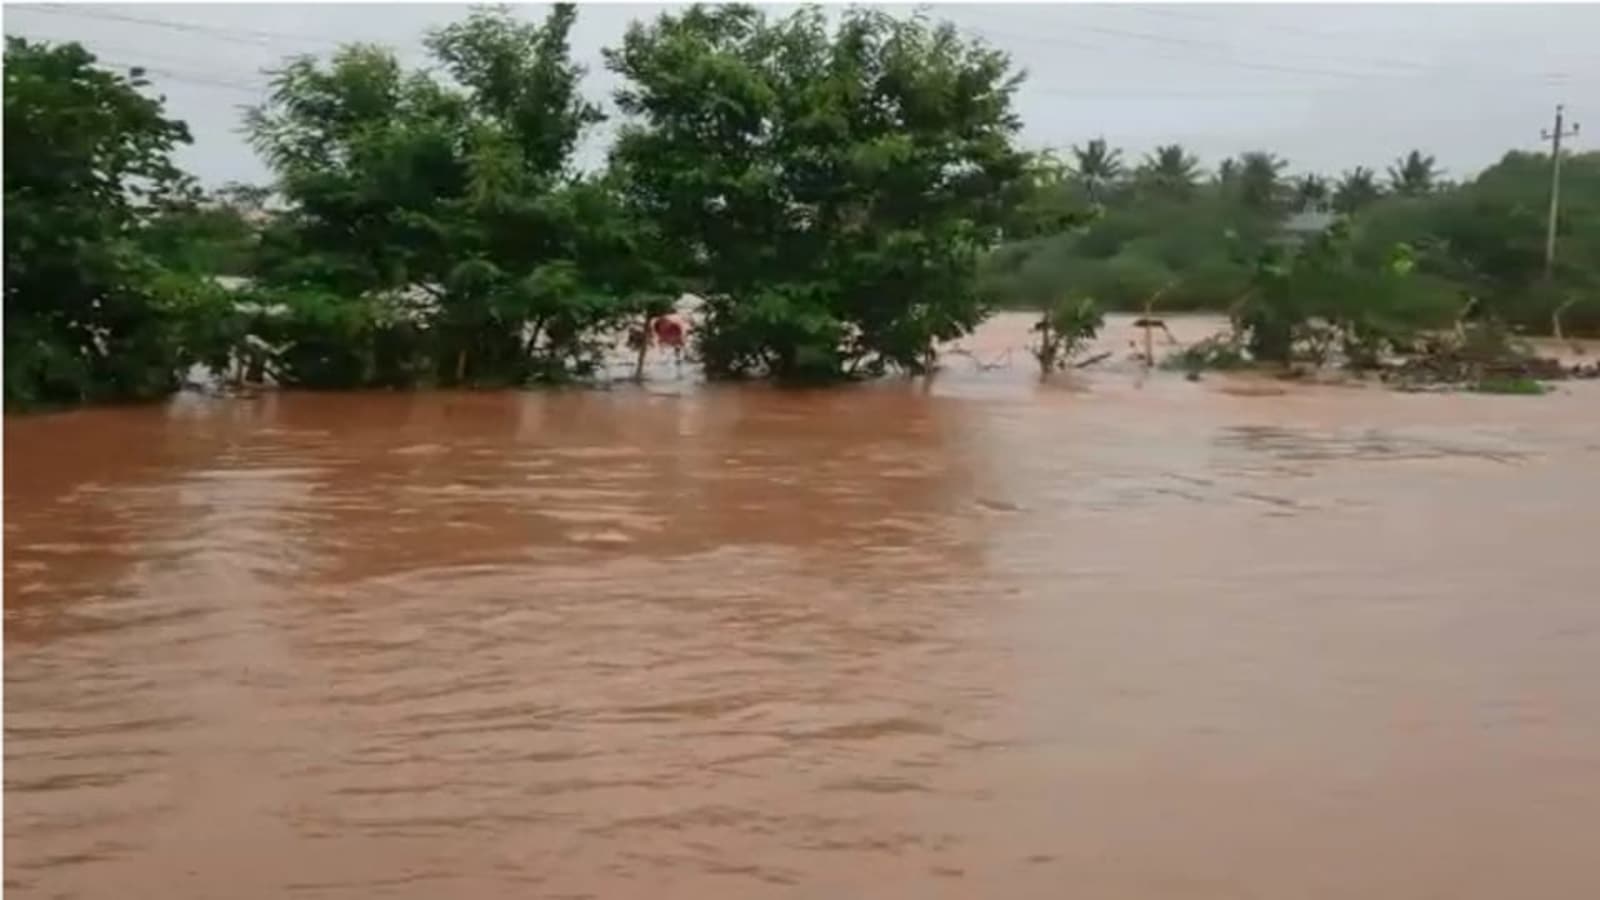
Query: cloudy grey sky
1327, 86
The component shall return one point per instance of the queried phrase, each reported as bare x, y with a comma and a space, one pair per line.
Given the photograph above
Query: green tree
453, 210
1047, 202
1194, 251
1306, 300
1097, 167
1064, 330
1311, 192
1356, 189
1413, 174
1227, 177
1260, 180
365, 158
1480, 241
1038, 275
1170, 171
1486, 235
523, 82
251, 200
87, 161
215, 234
830, 191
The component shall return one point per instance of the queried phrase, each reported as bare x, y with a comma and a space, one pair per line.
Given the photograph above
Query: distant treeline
1166, 226
843, 198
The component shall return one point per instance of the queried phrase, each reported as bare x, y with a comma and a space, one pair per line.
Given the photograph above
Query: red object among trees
668, 331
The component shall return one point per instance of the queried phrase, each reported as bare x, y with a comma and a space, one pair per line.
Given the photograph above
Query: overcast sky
1327, 86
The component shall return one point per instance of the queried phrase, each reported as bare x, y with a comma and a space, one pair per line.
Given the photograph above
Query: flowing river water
1110, 637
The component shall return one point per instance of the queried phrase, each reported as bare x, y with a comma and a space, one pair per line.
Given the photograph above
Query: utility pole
1554, 137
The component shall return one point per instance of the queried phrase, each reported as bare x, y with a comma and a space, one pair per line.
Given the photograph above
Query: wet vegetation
843, 197
1520, 385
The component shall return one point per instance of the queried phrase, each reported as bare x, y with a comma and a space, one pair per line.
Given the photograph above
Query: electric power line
248, 36
1060, 40
263, 39
192, 78
1294, 29
260, 38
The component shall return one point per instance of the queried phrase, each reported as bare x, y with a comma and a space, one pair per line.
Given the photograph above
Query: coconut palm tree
1413, 174
1096, 166
1356, 189
1045, 169
1227, 173
1311, 193
1260, 179
1170, 170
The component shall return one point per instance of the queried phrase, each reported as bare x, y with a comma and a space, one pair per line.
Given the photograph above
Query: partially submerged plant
1484, 356
1064, 330
1220, 351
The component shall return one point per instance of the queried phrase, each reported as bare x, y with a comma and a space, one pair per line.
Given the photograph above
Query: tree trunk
1047, 346
533, 338
644, 348
1555, 319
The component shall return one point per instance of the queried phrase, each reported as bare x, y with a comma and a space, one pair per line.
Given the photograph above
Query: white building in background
1306, 223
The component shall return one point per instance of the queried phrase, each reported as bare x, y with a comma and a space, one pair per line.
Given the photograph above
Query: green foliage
1046, 201
329, 341
522, 83
1194, 250
1216, 352
1095, 168
208, 235
1311, 192
446, 219
844, 196
1307, 300
1031, 276
832, 190
1413, 174
1260, 181
1399, 263
1518, 385
1486, 236
1227, 177
1170, 172
1357, 189
1064, 329
87, 161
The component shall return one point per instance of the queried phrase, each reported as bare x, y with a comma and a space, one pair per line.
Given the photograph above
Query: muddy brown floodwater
1108, 638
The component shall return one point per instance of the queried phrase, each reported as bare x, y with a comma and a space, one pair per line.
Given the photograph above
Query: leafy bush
1221, 351
1064, 330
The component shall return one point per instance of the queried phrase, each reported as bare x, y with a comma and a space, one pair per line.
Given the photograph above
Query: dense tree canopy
831, 191
844, 197
87, 160
1487, 236
209, 234
1204, 248
451, 210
